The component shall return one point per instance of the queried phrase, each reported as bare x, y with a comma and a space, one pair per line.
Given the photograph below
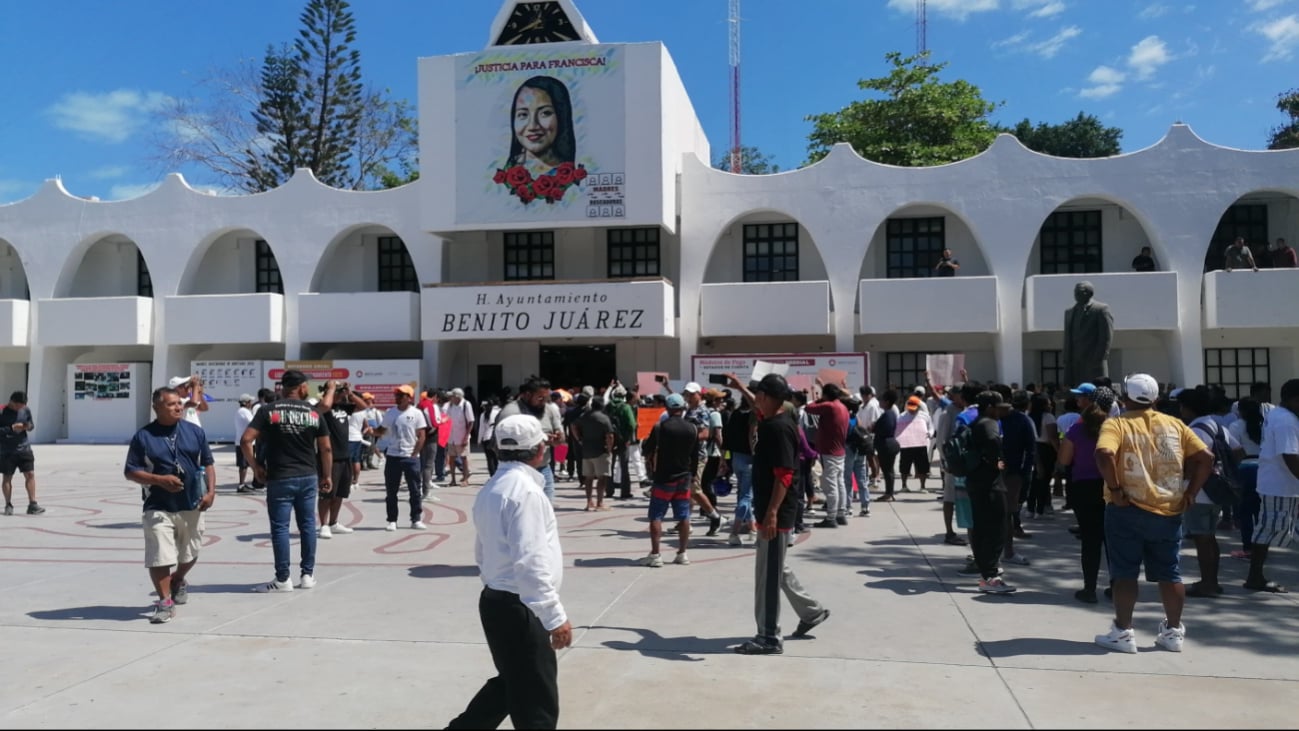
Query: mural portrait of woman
543, 144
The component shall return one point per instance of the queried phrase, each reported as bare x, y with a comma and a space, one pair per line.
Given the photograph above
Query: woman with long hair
886, 442
1042, 411
1087, 487
1248, 431
541, 124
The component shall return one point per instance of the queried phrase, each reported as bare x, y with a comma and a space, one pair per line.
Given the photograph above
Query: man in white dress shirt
521, 565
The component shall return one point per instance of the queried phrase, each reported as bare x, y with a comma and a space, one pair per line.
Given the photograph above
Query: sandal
1268, 586
1242, 555
1199, 590
954, 540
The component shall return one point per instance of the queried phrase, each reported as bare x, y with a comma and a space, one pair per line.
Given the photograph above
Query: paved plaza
390, 637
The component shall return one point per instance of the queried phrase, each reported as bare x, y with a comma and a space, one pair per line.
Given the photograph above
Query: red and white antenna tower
734, 22
922, 27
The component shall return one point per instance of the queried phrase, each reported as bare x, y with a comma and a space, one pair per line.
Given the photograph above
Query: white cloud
1053, 45
1153, 10
1041, 8
1260, 6
1103, 81
111, 116
958, 9
127, 191
108, 172
1282, 35
1011, 41
1147, 56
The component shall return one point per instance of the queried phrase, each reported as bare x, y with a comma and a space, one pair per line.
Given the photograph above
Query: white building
652, 258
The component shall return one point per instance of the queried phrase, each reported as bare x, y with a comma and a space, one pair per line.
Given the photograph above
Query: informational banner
377, 377
100, 381
224, 381
108, 401
541, 135
637, 308
802, 367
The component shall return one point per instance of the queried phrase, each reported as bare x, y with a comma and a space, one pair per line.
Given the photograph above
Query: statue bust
1088, 331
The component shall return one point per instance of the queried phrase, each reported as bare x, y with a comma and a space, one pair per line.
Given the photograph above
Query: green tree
752, 161
331, 83
281, 123
1286, 136
915, 120
1082, 136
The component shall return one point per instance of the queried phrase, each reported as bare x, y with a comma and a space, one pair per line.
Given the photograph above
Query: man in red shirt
1283, 256
831, 437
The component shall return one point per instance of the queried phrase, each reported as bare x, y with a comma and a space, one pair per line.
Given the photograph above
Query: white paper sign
856, 365
945, 369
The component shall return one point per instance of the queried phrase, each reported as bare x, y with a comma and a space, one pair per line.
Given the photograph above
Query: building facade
568, 223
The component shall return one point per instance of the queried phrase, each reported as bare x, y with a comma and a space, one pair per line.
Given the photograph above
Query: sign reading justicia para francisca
633, 308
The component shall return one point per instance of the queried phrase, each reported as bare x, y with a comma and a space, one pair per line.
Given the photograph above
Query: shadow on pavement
441, 571
118, 526
98, 611
654, 645
1038, 646
607, 562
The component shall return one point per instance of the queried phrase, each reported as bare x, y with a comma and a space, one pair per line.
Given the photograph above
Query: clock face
537, 22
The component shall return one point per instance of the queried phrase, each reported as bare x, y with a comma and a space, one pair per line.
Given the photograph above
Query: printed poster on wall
540, 135
377, 377
224, 381
101, 381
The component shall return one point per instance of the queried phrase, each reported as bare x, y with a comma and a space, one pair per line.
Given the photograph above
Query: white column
843, 292
687, 326
46, 384
1010, 340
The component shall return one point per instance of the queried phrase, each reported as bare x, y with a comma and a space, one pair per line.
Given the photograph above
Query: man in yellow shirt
1143, 455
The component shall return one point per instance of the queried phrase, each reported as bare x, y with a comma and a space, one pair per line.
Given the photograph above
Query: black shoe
714, 525
841, 520
753, 647
1109, 592
800, 529
827, 523
34, 509
1086, 596
624, 495
807, 625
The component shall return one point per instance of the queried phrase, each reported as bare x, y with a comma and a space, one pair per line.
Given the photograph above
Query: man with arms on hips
160, 456
1278, 486
243, 417
16, 452
408, 429
670, 453
296, 466
1142, 455
461, 414
191, 394
521, 566
775, 464
337, 405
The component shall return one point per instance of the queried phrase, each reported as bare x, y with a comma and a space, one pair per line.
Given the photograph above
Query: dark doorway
490, 381
580, 365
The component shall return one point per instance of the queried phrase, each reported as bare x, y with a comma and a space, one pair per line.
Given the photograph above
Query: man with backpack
1201, 518
955, 416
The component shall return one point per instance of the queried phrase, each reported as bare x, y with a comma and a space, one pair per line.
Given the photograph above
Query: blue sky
82, 79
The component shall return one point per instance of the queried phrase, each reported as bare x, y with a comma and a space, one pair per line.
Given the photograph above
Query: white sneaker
1171, 638
1018, 559
653, 561
340, 529
418, 525
431, 498
391, 527
1119, 640
308, 582
324, 532
734, 540
682, 559
275, 587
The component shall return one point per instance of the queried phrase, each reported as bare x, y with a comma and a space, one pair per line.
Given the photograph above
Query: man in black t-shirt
16, 452
670, 454
775, 502
295, 463
595, 437
336, 406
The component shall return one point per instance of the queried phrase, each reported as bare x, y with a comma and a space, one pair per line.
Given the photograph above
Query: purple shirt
1084, 453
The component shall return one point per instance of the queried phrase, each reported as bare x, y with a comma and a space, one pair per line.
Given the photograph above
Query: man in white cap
521, 566
461, 414
243, 417
190, 389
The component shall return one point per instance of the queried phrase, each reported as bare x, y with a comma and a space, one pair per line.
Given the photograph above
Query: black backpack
1223, 485
860, 436
958, 455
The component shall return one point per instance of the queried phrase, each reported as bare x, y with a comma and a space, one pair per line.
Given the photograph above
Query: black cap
293, 379
773, 384
988, 400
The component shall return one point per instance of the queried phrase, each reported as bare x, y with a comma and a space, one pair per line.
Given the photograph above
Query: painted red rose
579, 174
499, 177
525, 193
564, 173
518, 175
544, 186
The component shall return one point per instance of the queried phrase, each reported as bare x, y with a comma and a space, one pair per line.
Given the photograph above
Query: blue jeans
296, 496
441, 465
854, 464
548, 474
742, 466
394, 469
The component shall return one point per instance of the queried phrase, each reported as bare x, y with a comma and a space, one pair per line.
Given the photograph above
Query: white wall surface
765, 308
727, 262
1137, 300
1122, 236
933, 305
108, 269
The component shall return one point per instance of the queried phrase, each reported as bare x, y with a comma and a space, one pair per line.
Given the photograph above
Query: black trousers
1039, 496
526, 685
888, 452
1088, 500
988, 508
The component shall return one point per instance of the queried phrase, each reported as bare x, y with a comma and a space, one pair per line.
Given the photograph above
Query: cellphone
718, 378
661, 378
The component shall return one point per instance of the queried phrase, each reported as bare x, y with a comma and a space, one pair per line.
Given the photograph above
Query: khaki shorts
597, 467
171, 538
456, 450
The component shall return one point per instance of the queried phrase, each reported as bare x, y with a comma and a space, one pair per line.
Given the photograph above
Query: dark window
396, 271
143, 282
1053, 368
914, 246
771, 252
268, 270
529, 255
904, 371
633, 252
1236, 368
1071, 243
1249, 221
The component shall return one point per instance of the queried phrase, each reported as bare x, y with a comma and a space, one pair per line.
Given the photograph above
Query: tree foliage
305, 106
752, 161
1082, 136
915, 119
1286, 136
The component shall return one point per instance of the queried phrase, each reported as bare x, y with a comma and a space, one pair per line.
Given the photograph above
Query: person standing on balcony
1283, 256
1238, 256
1145, 261
948, 265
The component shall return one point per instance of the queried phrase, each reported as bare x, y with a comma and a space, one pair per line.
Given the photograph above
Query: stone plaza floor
390, 636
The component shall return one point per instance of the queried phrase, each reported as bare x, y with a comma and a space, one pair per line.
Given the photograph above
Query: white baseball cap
520, 431
178, 381
1141, 388
693, 387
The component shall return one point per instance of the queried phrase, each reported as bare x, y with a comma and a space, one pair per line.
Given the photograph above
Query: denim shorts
1134, 537
1201, 519
675, 495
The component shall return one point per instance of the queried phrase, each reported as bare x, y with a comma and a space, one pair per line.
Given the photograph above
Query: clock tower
529, 22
